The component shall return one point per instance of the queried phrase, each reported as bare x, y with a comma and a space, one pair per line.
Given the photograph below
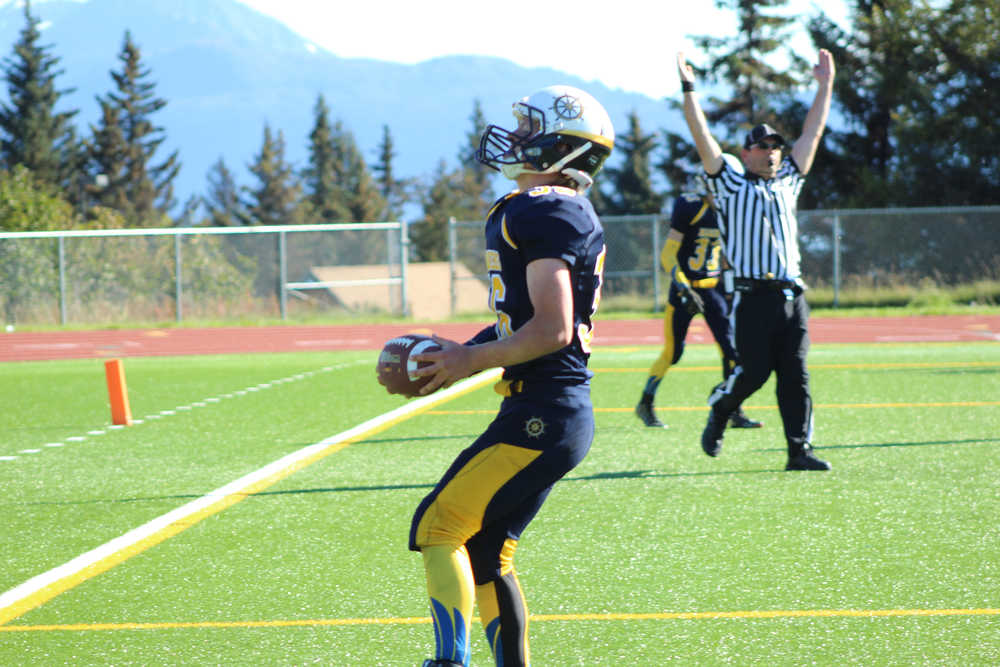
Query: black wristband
687, 86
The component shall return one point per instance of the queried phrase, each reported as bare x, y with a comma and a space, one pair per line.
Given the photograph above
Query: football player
545, 259
692, 257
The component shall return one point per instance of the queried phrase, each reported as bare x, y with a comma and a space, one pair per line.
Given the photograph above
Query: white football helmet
550, 121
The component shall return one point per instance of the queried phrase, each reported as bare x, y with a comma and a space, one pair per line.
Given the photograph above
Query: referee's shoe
739, 419
711, 437
806, 460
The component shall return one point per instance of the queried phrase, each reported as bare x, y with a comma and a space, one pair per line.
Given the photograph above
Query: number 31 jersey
545, 222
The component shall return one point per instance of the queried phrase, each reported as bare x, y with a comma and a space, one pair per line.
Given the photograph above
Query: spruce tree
758, 89
918, 87
440, 200
275, 199
482, 175
631, 183
364, 201
464, 193
742, 64
338, 184
321, 178
223, 199
126, 142
107, 165
392, 189
32, 132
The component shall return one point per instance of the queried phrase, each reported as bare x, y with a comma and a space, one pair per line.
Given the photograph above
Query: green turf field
649, 553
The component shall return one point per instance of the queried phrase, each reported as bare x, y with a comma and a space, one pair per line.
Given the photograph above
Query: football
395, 367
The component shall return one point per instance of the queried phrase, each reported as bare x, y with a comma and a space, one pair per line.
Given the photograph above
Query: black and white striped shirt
757, 219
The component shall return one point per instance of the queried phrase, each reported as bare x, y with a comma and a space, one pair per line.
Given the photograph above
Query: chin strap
583, 179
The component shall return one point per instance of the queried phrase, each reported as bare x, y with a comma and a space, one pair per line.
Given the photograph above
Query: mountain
225, 70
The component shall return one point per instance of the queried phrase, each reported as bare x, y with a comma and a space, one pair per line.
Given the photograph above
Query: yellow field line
44, 587
689, 408
423, 620
929, 364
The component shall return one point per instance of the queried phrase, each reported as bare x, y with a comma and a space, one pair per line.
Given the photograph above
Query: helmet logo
567, 107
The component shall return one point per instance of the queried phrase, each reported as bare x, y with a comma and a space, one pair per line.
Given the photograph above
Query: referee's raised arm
804, 149
708, 148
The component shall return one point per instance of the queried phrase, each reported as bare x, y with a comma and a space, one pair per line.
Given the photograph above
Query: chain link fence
223, 274
841, 249
296, 272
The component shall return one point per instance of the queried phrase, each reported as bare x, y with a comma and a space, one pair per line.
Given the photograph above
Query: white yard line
185, 408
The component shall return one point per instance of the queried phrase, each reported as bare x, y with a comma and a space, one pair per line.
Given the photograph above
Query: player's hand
824, 70
453, 362
684, 70
691, 300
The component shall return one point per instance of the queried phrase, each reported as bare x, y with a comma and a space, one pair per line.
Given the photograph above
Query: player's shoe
441, 663
648, 416
806, 460
711, 437
740, 420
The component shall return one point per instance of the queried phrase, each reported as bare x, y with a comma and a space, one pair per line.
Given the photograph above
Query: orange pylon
121, 413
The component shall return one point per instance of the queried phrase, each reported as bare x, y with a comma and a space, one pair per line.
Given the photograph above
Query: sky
626, 44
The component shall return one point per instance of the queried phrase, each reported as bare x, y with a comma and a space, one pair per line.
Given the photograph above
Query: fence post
656, 263
836, 260
62, 280
452, 252
404, 258
178, 290
282, 275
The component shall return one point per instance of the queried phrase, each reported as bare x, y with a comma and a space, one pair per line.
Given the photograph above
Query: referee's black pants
771, 334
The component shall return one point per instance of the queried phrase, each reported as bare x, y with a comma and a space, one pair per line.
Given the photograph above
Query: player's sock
504, 614
505, 620
452, 593
649, 391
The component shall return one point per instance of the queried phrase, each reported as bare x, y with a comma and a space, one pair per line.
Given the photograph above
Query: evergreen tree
918, 86
392, 189
126, 142
223, 199
108, 159
338, 184
482, 176
741, 63
632, 193
275, 200
465, 193
34, 134
598, 199
474, 179
873, 75
321, 177
359, 190
440, 200
632, 186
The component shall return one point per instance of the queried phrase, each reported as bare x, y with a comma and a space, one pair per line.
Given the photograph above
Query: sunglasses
769, 146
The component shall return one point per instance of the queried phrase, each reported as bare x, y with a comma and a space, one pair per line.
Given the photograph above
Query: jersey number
586, 333
706, 254
498, 291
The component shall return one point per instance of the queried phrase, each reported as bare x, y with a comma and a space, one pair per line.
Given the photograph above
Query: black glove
690, 299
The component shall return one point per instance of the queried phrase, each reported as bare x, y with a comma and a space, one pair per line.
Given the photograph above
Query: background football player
545, 258
692, 257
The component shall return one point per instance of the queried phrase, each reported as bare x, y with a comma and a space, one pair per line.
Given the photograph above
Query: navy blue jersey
545, 222
700, 249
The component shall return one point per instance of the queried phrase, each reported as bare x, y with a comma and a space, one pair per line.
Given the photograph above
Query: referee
756, 197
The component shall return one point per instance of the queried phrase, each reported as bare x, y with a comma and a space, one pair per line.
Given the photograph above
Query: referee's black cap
761, 132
